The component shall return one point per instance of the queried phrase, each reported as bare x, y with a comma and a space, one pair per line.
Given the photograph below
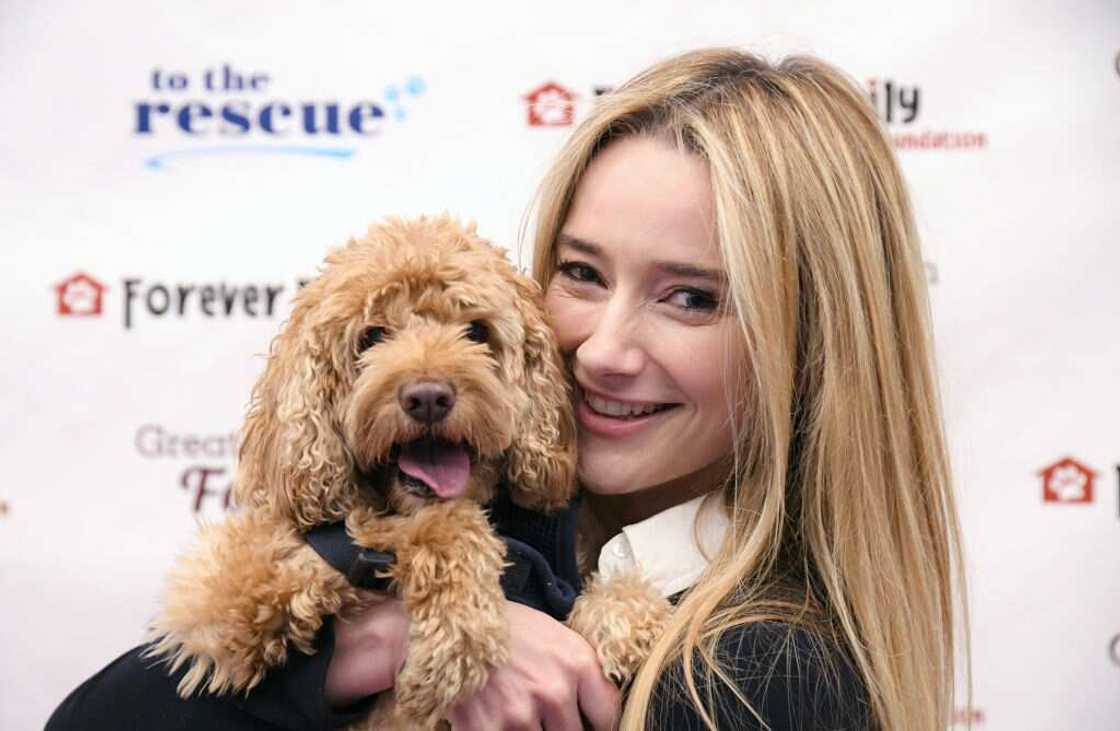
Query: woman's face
637, 298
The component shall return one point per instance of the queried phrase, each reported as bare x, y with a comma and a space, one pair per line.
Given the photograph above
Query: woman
730, 262
731, 266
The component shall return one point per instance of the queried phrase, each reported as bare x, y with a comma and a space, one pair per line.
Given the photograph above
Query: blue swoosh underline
157, 162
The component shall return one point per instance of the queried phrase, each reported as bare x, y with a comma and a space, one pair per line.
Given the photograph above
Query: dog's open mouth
431, 467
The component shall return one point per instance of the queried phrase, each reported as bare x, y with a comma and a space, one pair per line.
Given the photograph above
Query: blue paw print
394, 94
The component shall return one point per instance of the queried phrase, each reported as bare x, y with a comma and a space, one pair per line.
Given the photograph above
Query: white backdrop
1006, 122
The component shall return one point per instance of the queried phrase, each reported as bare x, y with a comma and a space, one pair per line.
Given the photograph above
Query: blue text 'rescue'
239, 118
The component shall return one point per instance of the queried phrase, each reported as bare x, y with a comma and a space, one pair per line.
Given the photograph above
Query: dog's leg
235, 606
620, 617
448, 571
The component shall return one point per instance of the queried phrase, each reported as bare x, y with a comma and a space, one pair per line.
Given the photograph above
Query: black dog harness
540, 551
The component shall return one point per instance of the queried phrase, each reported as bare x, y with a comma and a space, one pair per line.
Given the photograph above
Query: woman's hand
369, 649
552, 677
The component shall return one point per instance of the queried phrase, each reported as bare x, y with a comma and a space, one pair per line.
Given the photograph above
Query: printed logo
1067, 481
551, 105
79, 295
971, 716
895, 103
899, 107
554, 105
231, 112
204, 463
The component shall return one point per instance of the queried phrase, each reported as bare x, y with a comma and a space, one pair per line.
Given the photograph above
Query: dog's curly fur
325, 425
621, 617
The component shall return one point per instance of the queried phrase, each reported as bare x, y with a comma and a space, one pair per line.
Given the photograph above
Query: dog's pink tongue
443, 467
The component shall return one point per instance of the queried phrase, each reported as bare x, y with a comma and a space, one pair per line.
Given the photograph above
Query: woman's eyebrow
681, 269
578, 244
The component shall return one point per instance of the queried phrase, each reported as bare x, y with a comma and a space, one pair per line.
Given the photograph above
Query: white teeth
617, 408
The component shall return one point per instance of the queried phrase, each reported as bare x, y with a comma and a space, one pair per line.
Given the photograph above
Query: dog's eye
372, 336
478, 331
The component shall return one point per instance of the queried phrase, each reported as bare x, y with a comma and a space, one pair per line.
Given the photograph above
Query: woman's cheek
572, 317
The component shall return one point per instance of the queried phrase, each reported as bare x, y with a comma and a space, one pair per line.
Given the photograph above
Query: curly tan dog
415, 377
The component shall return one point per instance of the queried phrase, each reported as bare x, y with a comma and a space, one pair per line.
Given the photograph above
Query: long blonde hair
842, 513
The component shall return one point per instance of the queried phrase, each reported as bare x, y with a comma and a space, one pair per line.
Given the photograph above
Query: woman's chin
603, 485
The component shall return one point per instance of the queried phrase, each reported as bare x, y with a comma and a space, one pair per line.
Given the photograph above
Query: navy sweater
790, 676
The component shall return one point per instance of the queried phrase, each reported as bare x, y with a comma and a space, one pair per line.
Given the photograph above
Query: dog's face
417, 367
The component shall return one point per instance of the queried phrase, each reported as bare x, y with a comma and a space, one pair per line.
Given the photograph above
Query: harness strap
362, 567
528, 579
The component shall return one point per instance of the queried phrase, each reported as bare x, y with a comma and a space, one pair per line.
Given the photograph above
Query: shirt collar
664, 548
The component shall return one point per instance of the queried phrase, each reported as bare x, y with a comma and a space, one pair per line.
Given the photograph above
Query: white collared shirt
664, 547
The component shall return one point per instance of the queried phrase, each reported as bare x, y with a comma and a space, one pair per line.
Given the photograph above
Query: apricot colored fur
323, 421
621, 617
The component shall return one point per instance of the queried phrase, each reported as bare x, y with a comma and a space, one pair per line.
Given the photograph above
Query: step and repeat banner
171, 173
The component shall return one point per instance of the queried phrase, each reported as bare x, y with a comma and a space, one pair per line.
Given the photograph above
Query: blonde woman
731, 244
729, 258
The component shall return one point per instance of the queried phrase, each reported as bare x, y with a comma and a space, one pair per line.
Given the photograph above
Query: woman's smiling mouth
612, 417
607, 407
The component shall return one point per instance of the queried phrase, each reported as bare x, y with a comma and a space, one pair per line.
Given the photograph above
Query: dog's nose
427, 401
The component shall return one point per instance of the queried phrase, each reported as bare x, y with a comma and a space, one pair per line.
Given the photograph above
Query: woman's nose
611, 347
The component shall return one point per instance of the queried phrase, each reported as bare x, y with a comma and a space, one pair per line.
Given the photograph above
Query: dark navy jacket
791, 677
134, 693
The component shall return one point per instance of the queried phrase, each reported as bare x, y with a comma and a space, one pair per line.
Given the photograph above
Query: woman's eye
478, 331
371, 336
578, 271
697, 300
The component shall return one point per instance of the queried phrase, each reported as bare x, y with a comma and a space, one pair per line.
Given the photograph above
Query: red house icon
1067, 481
79, 295
551, 105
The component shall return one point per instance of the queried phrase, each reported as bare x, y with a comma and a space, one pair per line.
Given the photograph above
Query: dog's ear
292, 459
542, 461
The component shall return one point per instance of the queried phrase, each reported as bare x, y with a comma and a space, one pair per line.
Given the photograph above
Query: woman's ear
542, 463
292, 458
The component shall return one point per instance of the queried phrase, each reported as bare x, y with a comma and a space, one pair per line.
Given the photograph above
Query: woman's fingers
469, 716
495, 708
560, 707
369, 647
552, 682
598, 698
552, 674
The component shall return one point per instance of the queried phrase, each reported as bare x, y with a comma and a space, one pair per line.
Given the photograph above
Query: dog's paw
215, 669
451, 654
621, 617
449, 567
233, 608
